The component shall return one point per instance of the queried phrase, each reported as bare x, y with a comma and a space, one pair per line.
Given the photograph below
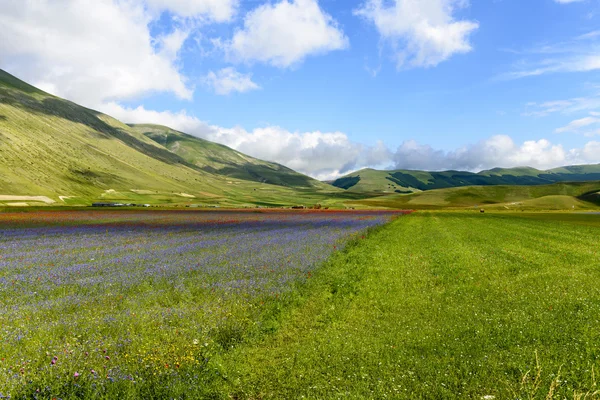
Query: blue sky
331, 86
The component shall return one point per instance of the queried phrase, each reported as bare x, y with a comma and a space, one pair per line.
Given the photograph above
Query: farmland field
299, 305
128, 303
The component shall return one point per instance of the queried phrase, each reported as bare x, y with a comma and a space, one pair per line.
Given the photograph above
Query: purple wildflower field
97, 298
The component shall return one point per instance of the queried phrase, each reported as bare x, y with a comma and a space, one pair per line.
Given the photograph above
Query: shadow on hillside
94, 178
591, 197
56, 107
219, 158
8, 79
3, 118
259, 173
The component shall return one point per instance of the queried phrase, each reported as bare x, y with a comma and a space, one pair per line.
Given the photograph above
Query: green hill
402, 181
221, 160
68, 154
558, 196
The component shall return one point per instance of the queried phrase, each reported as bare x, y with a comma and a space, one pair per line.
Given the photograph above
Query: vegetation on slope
558, 196
73, 155
370, 180
222, 160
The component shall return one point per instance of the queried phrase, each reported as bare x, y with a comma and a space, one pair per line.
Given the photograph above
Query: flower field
129, 303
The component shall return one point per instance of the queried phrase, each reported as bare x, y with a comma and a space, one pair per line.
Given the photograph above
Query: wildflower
76, 375
107, 357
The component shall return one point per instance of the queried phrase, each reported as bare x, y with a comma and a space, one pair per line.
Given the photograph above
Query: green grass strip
439, 305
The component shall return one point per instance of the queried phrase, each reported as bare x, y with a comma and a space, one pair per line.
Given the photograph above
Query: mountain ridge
73, 155
405, 181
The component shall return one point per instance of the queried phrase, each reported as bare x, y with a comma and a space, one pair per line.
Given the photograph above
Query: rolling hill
53, 151
557, 196
406, 181
221, 160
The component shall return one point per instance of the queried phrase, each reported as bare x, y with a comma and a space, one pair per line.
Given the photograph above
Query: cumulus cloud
228, 80
497, 151
423, 32
96, 51
328, 155
323, 155
285, 33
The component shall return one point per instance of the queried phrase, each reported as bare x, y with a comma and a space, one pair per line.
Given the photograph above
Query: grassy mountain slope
370, 180
558, 196
222, 160
73, 155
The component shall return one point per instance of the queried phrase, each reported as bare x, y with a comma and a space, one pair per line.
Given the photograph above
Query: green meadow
441, 305
433, 305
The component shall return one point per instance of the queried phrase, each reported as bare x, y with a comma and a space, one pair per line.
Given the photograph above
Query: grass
136, 304
434, 305
441, 305
558, 196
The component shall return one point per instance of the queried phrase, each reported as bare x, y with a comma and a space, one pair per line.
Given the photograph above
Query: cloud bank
328, 155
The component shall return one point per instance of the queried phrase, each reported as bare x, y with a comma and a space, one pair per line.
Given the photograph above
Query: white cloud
286, 33
170, 44
568, 1
568, 63
497, 151
327, 155
323, 155
217, 10
589, 152
568, 106
578, 54
228, 80
96, 51
423, 32
576, 125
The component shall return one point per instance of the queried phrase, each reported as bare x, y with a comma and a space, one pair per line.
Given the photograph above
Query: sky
327, 87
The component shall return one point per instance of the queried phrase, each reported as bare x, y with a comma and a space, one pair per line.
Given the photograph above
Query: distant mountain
557, 196
69, 154
407, 181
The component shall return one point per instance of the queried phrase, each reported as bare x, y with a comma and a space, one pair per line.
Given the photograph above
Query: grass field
141, 304
432, 305
558, 196
442, 305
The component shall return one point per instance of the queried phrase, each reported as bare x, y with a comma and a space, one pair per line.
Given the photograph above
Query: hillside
402, 181
221, 160
557, 196
54, 151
